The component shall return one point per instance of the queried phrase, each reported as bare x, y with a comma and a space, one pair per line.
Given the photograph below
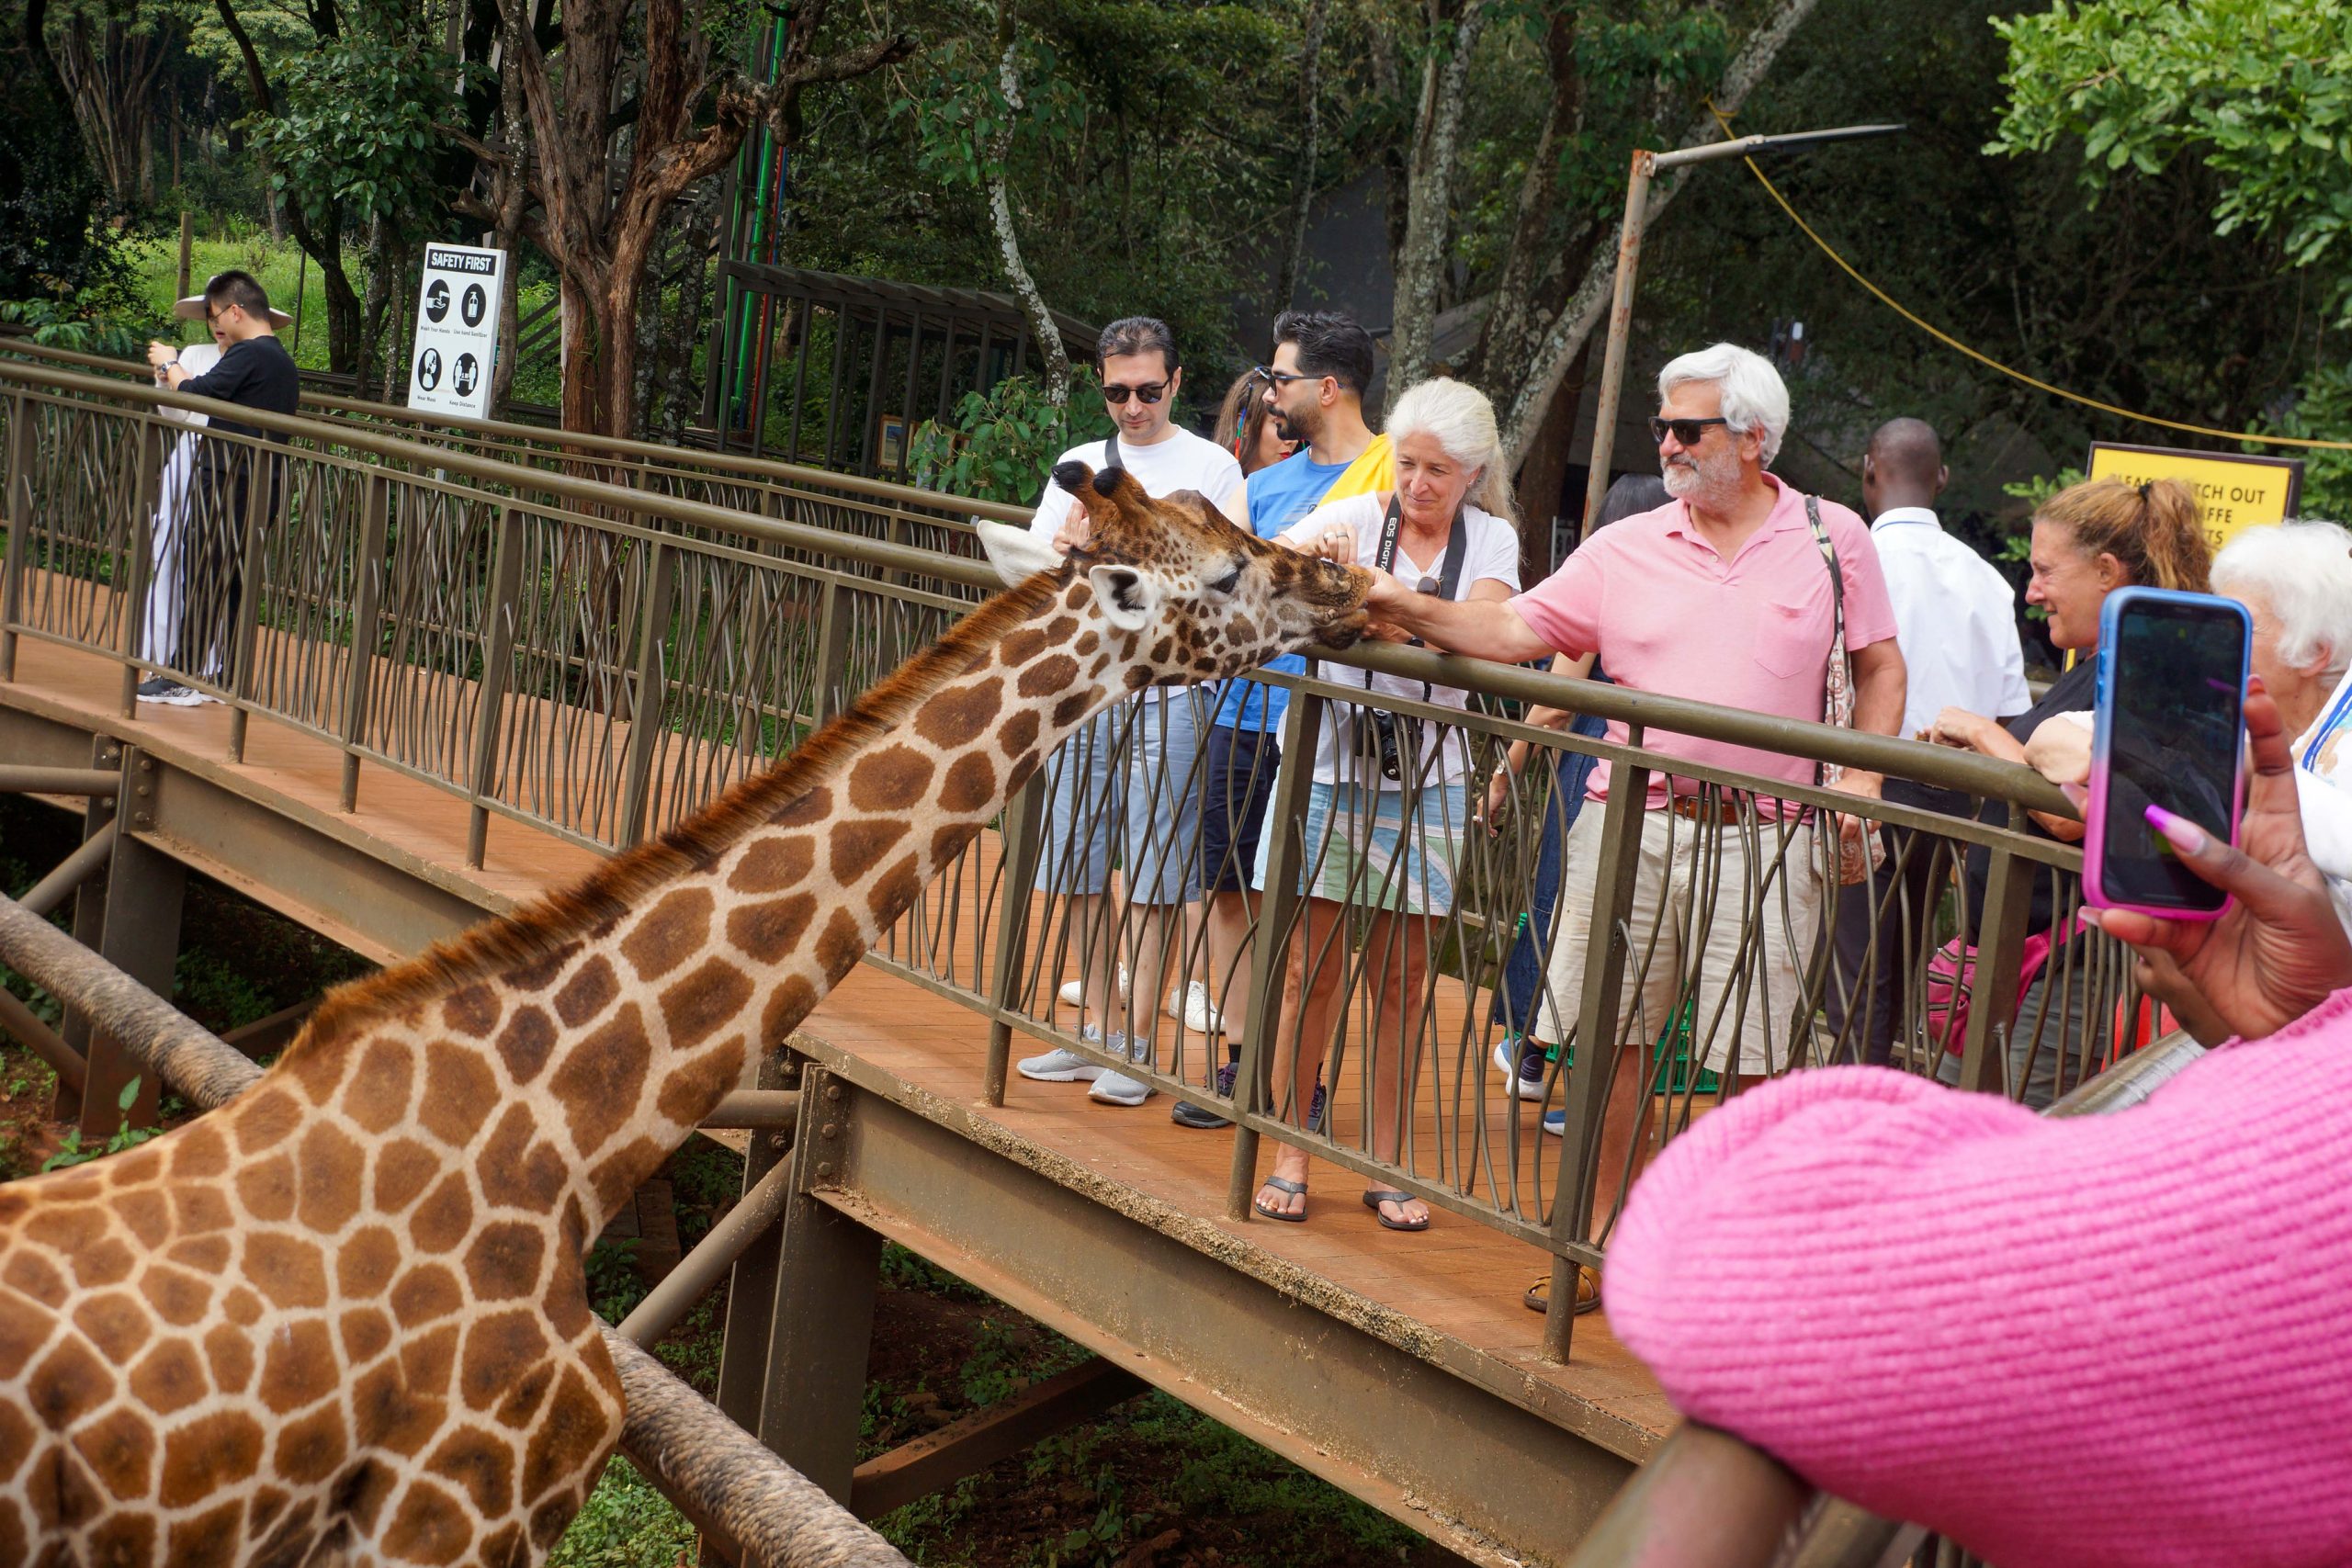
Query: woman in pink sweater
2124, 1340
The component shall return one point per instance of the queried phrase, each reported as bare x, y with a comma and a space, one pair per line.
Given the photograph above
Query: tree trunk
1024, 287
583, 403
1566, 337
1310, 89
1428, 213
601, 243
1544, 473
1380, 31
1535, 254
110, 77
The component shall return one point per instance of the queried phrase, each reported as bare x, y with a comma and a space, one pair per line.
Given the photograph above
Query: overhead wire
1952, 343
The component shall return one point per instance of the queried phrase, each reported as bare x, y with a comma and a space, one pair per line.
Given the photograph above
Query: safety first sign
2232, 493
457, 330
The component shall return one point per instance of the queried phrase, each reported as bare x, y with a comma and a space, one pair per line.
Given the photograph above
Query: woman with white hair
1388, 809
2295, 579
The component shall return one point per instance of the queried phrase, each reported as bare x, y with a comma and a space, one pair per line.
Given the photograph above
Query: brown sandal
1538, 1296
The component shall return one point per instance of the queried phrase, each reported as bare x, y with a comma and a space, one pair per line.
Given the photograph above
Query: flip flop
1374, 1199
1284, 1184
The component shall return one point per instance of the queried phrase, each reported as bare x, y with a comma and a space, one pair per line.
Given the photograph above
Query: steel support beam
88, 859
764, 1109
144, 891
42, 1040
940, 1459
750, 1289
829, 1269
60, 780
667, 1302
1325, 1379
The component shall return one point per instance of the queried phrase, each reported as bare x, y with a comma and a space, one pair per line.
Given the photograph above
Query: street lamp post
1647, 165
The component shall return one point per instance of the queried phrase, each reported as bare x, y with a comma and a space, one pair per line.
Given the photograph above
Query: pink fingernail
2178, 831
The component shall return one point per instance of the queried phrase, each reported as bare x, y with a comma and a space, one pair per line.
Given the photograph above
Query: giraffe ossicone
344, 1318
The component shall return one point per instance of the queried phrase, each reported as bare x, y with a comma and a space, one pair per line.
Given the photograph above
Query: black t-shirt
2074, 691
255, 373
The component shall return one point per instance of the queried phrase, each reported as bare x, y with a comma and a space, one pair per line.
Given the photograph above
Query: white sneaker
1062, 1064
1073, 992
1193, 1007
1518, 1085
1117, 1088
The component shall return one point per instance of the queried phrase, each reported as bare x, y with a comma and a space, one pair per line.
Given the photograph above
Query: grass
277, 265
626, 1524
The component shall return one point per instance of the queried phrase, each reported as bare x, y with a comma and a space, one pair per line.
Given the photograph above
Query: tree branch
256, 79
1585, 306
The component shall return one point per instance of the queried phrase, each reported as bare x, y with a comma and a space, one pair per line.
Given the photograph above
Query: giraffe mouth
1345, 632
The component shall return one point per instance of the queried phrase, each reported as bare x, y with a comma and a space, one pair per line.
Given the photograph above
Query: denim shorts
1237, 785
1363, 848
1127, 782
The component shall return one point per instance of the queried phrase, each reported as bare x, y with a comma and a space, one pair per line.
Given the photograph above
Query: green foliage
694, 1349
1001, 442
2323, 411
614, 1287
627, 1523
83, 321
957, 120
2260, 90
355, 125
73, 1152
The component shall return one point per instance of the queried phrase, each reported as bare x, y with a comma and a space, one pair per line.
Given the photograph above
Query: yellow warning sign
2232, 493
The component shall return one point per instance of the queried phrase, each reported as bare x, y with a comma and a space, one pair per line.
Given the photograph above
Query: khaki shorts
1704, 895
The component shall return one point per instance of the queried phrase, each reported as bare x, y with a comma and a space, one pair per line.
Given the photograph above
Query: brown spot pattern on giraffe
444, 1139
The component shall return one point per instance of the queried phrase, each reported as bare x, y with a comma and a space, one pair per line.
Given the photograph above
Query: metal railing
598, 660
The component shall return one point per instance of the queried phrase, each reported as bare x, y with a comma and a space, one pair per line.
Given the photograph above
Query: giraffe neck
604, 1052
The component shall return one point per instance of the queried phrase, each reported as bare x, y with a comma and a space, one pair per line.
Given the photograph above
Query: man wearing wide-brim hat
254, 371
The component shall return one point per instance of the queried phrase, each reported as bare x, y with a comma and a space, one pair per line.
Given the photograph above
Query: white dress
167, 576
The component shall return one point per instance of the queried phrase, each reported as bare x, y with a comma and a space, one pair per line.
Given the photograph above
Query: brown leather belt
1701, 808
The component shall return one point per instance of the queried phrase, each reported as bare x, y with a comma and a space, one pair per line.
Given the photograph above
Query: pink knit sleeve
2111, 1340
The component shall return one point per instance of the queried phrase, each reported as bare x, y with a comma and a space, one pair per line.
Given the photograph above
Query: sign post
2233, 493
457, 330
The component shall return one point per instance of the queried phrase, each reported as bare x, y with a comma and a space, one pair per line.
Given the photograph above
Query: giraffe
344, 1319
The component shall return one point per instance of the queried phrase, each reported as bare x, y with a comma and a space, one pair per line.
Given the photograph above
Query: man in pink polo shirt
1722, 595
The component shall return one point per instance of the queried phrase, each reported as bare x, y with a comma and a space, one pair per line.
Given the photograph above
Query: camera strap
1449, 577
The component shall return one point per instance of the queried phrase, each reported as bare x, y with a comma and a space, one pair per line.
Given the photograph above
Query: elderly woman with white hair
2295, 579
1388, 806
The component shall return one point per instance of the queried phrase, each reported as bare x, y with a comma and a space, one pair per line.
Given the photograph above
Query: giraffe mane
546, 924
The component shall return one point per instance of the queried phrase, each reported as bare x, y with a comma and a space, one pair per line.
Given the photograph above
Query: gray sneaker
1117, 1088
164, 690
1062, 1064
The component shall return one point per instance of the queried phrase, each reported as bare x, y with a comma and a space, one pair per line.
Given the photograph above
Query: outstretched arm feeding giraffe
346, 1316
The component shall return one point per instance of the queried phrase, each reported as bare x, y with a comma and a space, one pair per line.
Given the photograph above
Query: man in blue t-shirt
1315, 388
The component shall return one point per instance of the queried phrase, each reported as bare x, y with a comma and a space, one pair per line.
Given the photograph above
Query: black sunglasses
1150, 392
1689, 432
1279, 377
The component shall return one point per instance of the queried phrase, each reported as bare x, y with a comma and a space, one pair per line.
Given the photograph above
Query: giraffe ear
1126, 596
1018, 553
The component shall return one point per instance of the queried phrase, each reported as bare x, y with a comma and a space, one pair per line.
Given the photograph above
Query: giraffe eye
1230, 581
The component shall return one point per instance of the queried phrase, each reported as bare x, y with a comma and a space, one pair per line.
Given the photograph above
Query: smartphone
2170, 732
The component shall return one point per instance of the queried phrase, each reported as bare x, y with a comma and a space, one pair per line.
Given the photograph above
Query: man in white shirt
1955, 620
1126, 782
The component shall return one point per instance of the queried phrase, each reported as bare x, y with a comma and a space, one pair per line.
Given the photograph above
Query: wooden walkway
1459, 1283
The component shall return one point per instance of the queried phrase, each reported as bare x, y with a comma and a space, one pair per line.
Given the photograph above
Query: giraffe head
1201, 598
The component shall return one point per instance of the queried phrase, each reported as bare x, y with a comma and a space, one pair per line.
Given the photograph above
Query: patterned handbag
1837, 703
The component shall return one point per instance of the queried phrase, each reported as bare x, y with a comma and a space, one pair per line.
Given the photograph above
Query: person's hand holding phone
2279, 950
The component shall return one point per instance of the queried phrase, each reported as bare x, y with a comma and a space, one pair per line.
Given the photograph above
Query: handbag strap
1837, 577
1824, 773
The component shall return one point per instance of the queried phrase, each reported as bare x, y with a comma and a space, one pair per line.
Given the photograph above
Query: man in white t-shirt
1956, 622
1126, 781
